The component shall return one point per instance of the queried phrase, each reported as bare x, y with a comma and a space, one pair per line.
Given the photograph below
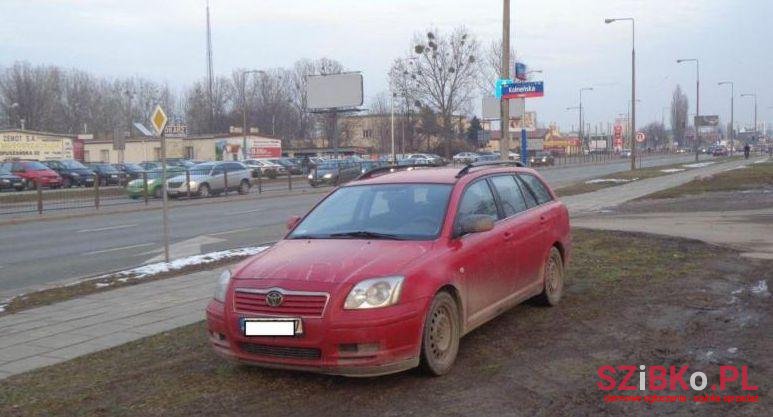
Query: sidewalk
48, 335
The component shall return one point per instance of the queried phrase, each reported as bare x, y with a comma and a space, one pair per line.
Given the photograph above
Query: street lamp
633, 82
244, 108
697, 99
732, 111
582, 122
755, 111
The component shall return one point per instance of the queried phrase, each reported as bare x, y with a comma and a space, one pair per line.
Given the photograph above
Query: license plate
271, 327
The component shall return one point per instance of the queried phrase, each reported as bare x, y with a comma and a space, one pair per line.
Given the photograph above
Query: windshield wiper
367, 234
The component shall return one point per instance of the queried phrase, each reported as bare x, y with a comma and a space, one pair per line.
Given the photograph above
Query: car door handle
507, 236
543, 219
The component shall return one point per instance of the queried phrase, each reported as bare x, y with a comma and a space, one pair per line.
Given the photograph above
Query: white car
465, 157
281, 170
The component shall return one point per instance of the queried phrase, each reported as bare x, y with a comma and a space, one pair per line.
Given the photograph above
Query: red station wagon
389, 271
34, 172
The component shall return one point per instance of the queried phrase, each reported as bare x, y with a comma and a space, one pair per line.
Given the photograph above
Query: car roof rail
390, 168
464, 171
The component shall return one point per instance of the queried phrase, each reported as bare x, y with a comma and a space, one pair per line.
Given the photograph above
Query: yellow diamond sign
158, 119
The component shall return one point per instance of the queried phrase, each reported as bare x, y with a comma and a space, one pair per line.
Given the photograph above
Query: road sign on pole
158, 120
640, 137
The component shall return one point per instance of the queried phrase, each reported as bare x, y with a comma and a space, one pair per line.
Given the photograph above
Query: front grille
281, 351
310, 305
175, 184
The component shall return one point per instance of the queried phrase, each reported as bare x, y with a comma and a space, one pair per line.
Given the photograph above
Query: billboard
34, 146
520, 71
334, 91
528, 122
707, 121
491, 109
523, 90
265, 148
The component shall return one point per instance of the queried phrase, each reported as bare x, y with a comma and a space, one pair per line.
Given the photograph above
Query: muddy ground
632, 299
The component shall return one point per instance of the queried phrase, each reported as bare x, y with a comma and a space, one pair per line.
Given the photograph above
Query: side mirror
292, 222
475, 223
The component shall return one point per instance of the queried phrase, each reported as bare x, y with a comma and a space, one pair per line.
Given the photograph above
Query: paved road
37, 254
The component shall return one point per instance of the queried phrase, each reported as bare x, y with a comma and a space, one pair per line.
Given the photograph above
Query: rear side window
537, 188
528, 195
478, 199
509, 195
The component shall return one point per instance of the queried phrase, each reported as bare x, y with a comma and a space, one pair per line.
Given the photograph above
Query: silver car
211, 178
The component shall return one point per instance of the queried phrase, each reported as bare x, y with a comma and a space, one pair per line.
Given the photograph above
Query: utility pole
210, 75
504, 114
392, 127
633, 86
732, 111
697, 102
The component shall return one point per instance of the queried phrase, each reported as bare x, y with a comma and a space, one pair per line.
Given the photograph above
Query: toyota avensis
387, 272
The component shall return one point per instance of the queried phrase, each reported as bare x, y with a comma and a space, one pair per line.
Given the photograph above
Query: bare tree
490, 67
679, 107
443, 74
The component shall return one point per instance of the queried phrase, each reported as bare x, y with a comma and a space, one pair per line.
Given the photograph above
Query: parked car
262, 168
626, 153
132, 171
386, 273
288, 165
280, 169
334, 172
465, 158
9, 181
73, 173
541, 159
431, 159
212, 178
136, 188
720, 151
511, 155
486, 156
33, 172
107, 174
366, 166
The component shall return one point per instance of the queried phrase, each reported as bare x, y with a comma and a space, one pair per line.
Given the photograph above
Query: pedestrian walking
746, 151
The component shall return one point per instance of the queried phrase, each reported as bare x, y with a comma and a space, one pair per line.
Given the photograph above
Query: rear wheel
553, 278
204, 190
440, 340
244, 187
66, 182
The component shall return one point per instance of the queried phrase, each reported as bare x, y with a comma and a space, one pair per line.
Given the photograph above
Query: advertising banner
34, 146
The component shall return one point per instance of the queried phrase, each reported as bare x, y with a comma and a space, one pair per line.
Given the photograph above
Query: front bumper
356, 343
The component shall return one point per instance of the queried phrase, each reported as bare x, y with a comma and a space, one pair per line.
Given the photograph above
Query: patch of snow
699, 164
738, 167
760, 288
672, 170
2, 307
102, 284
733, 350
613, 180
709, 353
761, 161
203, 259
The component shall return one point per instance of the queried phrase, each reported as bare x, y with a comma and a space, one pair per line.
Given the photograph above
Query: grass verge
754, 176
618, 283
624, 177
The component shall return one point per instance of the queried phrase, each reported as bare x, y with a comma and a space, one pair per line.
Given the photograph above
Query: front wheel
553, 278
440, 340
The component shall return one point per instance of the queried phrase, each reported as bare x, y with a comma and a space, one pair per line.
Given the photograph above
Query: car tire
553, 279
440, 338
203, 190
66, 183
244, 187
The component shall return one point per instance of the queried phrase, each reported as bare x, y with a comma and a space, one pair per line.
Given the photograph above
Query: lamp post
697, 100
633, 83
244, 108
755, 111
504, 108
582, 122
732, 111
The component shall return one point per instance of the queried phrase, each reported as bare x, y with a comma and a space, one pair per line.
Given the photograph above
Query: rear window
537, 188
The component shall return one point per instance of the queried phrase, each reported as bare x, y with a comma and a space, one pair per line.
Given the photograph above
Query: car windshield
382, 211
72, 164
133, 167
35, 166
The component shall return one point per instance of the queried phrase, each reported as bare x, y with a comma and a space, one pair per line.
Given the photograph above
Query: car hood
333, 261
182, 178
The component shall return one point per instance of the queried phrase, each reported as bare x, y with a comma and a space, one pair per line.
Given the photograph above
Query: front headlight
544, 159
328, 175
75, 175
194, 184
222, 285
374, 293
311, 176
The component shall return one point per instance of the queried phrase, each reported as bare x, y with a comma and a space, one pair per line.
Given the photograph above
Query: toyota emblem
274, 299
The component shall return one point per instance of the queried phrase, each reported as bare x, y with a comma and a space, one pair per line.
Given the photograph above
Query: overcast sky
567, 39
